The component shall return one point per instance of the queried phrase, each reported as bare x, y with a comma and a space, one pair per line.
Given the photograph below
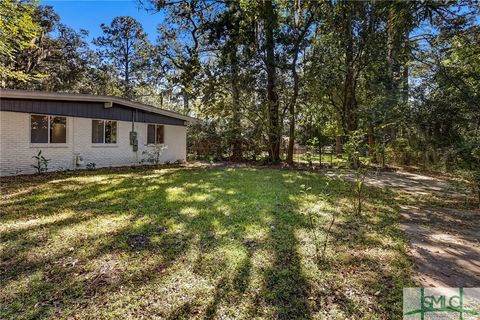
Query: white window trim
156, 125
47, 144
104, 144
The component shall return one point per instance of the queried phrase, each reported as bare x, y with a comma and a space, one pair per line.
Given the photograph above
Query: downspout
134, 116
133, 120
131, 132
74, 157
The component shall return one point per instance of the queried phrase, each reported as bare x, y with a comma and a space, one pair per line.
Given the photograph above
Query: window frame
156, 126
105, 143
49, 123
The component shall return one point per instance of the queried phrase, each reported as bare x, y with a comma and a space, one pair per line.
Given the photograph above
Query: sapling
319, 252
357, 189
41, 164
327, 234
312, 144
305, 190
353, 150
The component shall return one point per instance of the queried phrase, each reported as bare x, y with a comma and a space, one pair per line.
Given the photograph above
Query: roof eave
25, 94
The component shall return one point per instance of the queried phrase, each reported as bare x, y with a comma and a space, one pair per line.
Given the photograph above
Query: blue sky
89, 14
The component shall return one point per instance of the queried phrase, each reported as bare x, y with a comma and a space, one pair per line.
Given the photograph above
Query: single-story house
76, 131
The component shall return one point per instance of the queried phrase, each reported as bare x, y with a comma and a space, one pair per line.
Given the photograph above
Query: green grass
196, 243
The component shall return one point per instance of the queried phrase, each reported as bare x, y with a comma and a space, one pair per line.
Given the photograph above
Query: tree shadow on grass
150, 197
373, 245
212, 225
286, 288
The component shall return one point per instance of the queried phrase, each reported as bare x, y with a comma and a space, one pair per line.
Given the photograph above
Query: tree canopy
267, 76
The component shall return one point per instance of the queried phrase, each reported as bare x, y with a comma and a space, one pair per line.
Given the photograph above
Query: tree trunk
186, 101
291, 135
350, 103
338, 145
371, 143
349, 89
383, 148
291, 140
236, 132
128, 91
393, 85
320, 150
274, 130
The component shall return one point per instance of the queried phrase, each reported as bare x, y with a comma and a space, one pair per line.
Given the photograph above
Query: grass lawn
196, 243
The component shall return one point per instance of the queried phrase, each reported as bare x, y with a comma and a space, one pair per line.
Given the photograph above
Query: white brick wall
16, 151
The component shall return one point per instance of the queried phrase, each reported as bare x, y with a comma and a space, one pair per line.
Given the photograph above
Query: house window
155, 134
104, 131
48, 129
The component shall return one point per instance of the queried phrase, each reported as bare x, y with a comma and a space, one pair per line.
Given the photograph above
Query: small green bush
41, 163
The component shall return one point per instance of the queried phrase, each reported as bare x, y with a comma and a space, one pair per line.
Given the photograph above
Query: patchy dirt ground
444, 236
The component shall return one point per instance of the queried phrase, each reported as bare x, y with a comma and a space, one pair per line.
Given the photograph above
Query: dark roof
44, 95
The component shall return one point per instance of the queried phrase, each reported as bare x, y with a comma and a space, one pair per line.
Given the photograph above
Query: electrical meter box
134, 140
133, 137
